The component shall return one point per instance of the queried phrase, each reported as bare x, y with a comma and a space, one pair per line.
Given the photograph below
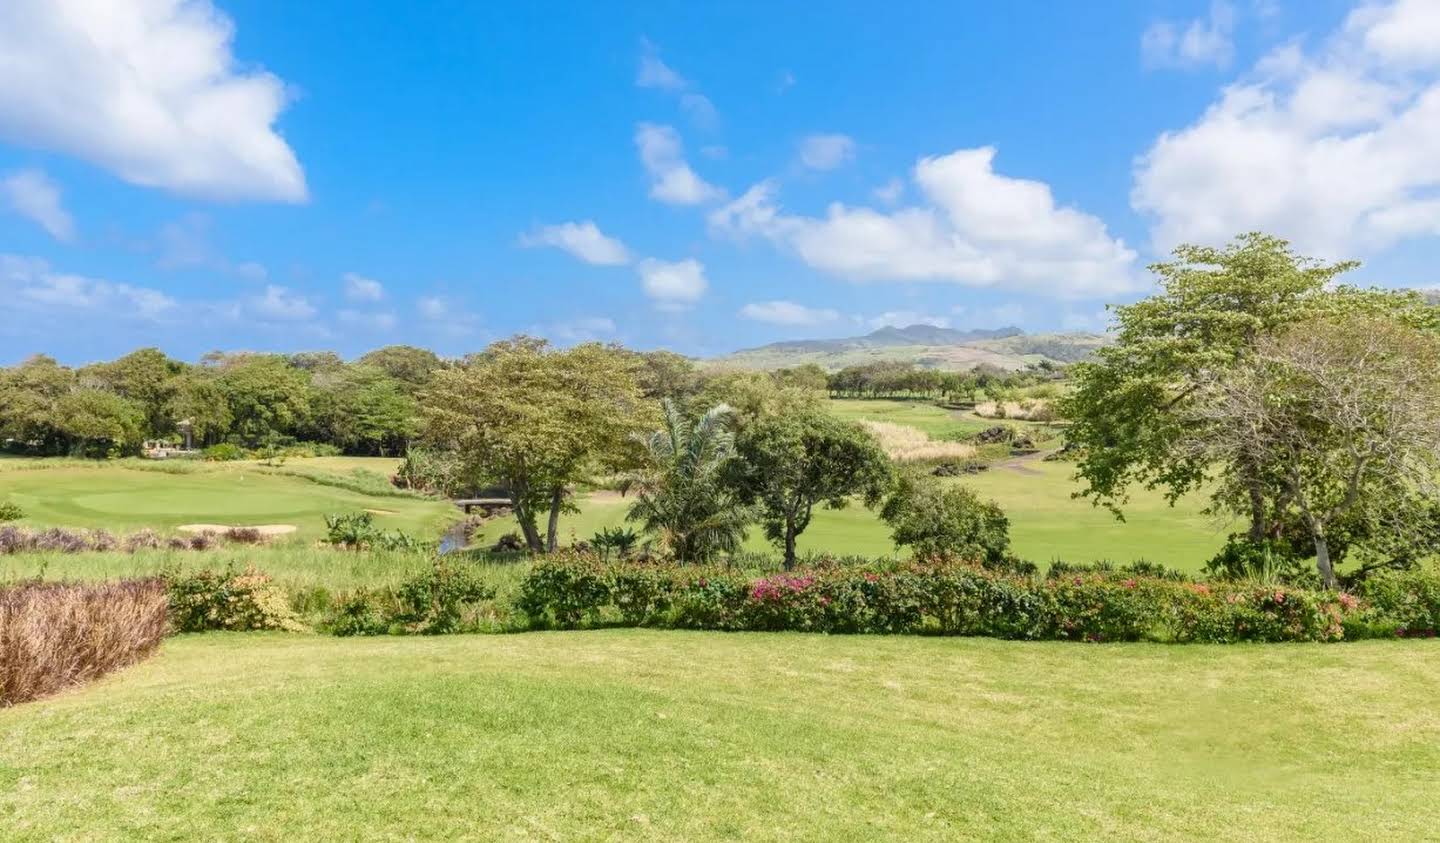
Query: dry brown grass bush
909, 444
55, 635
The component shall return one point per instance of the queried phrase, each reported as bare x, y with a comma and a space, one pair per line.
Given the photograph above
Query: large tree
266, 395
1215, 305
536, 421
1344, 413
145, 377
363, 410
29, 396
789, 464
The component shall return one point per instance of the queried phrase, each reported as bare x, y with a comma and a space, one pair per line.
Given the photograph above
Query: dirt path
1021, 464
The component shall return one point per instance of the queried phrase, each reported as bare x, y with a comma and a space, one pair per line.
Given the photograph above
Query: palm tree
680, 494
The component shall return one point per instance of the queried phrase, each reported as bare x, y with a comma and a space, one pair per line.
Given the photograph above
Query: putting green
121, 499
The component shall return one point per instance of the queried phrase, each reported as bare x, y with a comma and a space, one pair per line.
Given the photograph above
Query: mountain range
929, 346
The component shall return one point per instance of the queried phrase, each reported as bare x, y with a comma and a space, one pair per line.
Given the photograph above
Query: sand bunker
265, 529
381, 511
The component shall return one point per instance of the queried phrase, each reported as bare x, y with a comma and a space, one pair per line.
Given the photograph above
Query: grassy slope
938, 422
77, 494
697, 736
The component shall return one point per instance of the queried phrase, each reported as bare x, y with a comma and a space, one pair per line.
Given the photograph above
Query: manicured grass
124, 497
706, 736
1046, 523
938, 422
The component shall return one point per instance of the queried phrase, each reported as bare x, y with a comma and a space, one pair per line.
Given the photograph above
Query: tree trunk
1257, 514
525, 518
789, 545
1322, 560
552, 529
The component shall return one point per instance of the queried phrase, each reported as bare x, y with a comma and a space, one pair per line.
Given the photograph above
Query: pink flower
1130, 583
1279, 597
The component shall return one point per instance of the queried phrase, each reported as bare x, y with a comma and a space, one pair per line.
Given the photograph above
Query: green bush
11, 512
935, 519
939, 595
232, 599
1399, 603
433, 602
224, 452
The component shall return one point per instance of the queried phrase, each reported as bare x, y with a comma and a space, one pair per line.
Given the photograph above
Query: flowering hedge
940, 597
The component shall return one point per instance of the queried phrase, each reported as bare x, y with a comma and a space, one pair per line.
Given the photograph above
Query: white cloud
889, 192
904, 319
379, 321
1332, 148
671, 179
584, 240
1203, 41
787, 313
360, 288
584, 329
785, 82
149, 90
446, 316
673, 285
33, 284
977, 228
32, 194
654, 73
826, 152
280, 305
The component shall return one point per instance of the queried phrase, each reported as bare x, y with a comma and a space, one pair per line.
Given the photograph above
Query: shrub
244, 535
433, 602
1400, 603
352, 530
11, 512
54, 635
938, 520
233, 599
940, 595
224, 452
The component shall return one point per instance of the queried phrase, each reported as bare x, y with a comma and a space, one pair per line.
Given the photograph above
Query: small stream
455, 538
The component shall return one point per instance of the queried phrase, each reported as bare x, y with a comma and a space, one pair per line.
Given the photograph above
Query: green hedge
943, 597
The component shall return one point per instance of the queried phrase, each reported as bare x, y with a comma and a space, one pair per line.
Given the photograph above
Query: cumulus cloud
149, 90
671, 179
787, 313
360, 288
1202, 41
31, 283
889, 192
31, 194
977, 228
673, 285
278, 304
826, 152
584, 240
1333, 148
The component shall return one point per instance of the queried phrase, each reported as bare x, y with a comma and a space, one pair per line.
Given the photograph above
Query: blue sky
253, 175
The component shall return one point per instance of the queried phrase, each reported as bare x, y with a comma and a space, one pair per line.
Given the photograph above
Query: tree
100, 423
936, 519
412, 366
1344, 414
665, 374
29, 395
146, 377
680, 493
1129, 406
363, 410
756, 395
535, 421
790, 463
199, 400
266, 395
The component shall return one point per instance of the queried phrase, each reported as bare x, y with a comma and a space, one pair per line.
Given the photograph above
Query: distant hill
924, 345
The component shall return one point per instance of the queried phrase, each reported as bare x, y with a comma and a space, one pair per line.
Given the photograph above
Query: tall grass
54, 635
903, 443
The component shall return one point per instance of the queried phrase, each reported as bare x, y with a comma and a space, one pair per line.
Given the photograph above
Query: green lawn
73, 493
1046, 523
707, 736
938, 422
